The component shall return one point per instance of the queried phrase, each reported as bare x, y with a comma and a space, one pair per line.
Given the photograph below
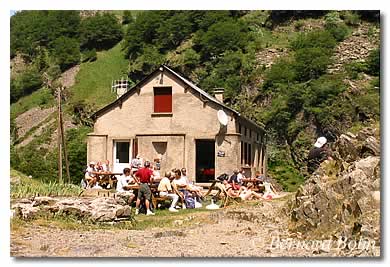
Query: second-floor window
162, 99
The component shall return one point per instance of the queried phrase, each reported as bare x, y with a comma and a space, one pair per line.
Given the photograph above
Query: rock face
342, 198
100, 209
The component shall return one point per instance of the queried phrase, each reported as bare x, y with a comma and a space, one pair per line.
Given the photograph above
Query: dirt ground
236, 231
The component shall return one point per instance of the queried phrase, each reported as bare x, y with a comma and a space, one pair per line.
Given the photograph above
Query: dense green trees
217, 56
374, 62
222, 36
66, 52
298, 98
100, 32
33, 29
26, 83
54, 38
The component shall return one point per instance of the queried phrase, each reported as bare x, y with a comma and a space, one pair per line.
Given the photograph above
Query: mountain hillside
301, 73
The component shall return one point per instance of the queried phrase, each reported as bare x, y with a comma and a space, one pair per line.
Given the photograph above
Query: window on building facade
163, 100
122, 152
246, 154
249, 155
242, 153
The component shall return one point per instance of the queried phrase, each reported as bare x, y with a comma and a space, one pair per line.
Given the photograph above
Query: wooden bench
157, 199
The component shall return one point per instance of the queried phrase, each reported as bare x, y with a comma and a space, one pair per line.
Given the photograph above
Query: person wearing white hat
318, 154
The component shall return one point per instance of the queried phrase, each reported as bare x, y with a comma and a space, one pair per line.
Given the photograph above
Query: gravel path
233, 231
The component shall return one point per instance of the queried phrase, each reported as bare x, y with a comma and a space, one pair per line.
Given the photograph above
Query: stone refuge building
167, 117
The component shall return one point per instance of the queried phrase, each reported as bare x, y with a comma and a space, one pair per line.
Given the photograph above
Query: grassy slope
93, 82
42, 98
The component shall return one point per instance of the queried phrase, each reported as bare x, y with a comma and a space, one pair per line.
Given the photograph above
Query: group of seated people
238, 185
91, 177
144, 177
174, 185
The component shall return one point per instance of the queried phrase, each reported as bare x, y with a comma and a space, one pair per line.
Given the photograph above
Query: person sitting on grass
165, 190
123, 186
229, 189
145, 176
247, 192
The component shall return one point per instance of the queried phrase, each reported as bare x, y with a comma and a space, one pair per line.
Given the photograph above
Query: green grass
93, 82
286, 175
42, 98
276, 40
23, 187
163, 219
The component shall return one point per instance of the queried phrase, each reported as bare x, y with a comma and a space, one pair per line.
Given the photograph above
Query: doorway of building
121, 153
205, 160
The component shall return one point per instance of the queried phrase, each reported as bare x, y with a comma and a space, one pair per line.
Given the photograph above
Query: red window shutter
163, 99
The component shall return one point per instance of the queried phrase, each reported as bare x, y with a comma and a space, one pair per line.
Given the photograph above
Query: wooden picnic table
106, 178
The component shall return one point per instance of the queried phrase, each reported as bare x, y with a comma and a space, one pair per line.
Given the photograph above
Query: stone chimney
218, 94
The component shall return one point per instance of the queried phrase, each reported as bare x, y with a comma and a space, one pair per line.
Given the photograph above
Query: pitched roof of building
185, 81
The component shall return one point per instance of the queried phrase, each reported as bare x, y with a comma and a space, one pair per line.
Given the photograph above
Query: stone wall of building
193, 117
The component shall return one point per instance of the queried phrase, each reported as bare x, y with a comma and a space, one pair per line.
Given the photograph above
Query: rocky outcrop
100, 209
68, 78
356, 47
342, 198
32, 118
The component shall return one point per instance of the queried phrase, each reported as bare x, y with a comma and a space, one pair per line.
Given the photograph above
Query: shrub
350, 18
324, 89
66, 52
100, 31
311, 63
191, 58
174, 30
25, 83
16, 91
299, 24
127, 17
143, 32
281, 72
354, 68
31, 30
146, 63
373, 62
339, 32
77, 152
27, 187
336, 26
319, 39
282, 169
222, 36
367, 104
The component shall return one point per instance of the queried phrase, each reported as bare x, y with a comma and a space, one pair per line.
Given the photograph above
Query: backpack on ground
223, 177
190, 202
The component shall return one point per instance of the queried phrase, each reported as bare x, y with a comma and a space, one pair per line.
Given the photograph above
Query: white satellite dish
222, 117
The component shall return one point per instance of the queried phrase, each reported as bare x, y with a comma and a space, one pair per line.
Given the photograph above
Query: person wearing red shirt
145, 176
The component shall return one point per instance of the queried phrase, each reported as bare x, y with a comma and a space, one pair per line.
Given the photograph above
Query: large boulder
369, 166
342, 197
347, 148
100, 209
